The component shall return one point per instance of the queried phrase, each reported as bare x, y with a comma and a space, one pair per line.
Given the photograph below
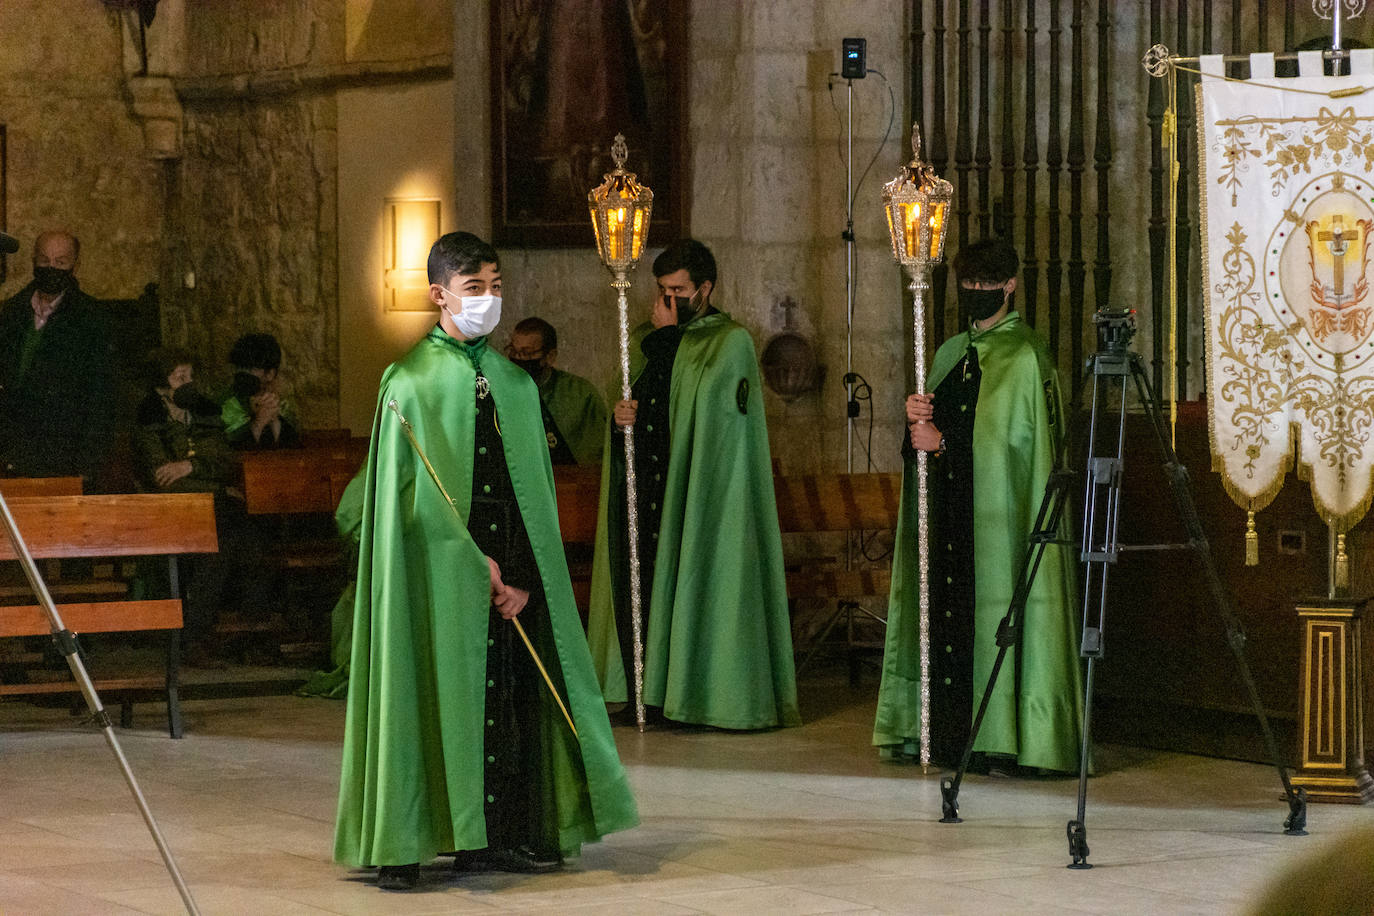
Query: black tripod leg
1047, 524
1296, 822
1101, 517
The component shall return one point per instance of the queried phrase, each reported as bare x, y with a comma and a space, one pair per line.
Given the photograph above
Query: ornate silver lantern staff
917, 201
620, 209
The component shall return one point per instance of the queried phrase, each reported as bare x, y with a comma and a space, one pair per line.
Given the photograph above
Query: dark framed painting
567, 76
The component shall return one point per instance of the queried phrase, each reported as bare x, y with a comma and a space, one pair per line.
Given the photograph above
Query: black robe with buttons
652, 390
517, 782
952, 595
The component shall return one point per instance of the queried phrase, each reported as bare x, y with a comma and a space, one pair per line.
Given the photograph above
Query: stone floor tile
763, 901
34, 897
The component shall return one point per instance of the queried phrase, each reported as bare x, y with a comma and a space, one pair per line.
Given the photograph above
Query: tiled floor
804, 820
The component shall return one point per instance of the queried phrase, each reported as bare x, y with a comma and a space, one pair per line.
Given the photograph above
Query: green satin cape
718, 650
1016, 432
348, 518
412, 776
580, 412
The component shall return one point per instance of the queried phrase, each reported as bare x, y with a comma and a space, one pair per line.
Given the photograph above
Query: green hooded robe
412, 777
718, 641
579, 411
1037, 706
348, 519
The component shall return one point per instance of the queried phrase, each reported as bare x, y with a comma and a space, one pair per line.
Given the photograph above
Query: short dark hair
689, 255
989, 260
459, 253
162, 362
546, 332
256, 351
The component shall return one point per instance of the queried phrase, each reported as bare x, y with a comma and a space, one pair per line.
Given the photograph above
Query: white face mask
478, 316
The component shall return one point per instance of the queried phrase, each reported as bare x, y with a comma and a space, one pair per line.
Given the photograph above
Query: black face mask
52, 280
686, 309
535, 367
245, 385
188, 398
981, 304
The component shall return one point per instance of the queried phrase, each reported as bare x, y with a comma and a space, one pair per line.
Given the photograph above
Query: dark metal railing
1072, 89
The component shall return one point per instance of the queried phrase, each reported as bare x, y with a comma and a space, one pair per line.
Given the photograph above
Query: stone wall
251, 217
394, 142
768, 196
242, 227
75, 155
251, 209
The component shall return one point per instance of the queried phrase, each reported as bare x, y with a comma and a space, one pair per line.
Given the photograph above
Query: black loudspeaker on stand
1113, 366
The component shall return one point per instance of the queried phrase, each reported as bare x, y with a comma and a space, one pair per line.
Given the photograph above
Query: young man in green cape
717, 636
574, 411
992, 427
454, 743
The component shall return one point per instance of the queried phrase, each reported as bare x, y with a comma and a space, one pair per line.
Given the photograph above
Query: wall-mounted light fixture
411, 226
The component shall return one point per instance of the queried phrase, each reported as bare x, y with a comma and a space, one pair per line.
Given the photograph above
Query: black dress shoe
470, 860
398, 877
523, 860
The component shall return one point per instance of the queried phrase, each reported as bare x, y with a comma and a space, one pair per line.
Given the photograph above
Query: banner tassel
1251, 540
1342, 563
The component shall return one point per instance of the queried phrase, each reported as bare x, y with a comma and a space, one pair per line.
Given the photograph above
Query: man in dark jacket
56, 378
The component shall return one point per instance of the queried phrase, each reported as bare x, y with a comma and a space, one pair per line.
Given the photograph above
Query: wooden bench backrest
578, 490
837, 502
138, 524
811, 502
99, 617
12, 487
298, 480
325, 438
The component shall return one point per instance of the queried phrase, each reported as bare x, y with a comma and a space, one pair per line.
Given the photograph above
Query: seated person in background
179, 447
256, 414
56, 375
574, 412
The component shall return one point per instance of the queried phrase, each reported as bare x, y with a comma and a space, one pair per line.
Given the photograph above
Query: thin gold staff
434, 476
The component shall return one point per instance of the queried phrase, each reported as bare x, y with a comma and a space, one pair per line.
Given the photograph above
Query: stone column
155, 104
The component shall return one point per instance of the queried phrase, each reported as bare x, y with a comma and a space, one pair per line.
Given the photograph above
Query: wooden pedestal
1331, 766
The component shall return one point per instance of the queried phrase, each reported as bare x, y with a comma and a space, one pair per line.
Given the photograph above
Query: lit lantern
917, 206
620, 210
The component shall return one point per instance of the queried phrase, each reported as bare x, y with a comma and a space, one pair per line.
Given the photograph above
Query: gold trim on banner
1261, 338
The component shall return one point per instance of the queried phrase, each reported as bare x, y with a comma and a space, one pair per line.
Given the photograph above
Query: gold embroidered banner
1287, 196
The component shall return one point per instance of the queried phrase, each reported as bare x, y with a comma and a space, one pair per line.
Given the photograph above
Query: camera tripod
1114, 365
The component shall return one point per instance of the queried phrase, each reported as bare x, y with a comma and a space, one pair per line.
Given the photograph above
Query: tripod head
1115, 328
